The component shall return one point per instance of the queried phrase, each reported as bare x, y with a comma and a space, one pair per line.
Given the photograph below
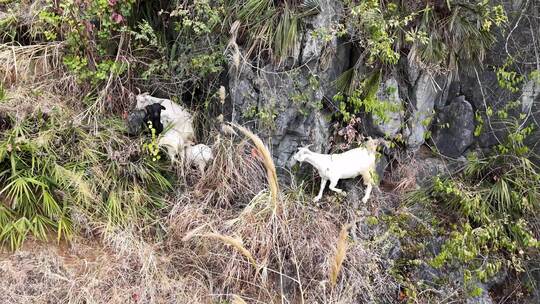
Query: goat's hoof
316, 199
364, 201
343, 193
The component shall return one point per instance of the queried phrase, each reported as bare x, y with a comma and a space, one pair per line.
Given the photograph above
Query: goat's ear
162, 107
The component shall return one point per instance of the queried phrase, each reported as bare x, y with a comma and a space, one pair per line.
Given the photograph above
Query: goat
198, 155
173, 116
350, 164
136, 121
178, 122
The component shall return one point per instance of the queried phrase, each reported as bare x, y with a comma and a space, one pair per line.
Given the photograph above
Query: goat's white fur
198, 155
173, 142
350, 164
177, 122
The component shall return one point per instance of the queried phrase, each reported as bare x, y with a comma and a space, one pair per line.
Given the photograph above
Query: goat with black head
138, 119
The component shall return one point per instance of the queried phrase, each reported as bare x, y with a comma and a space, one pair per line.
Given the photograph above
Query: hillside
94, 210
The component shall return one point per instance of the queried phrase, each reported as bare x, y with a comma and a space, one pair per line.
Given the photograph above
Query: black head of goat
153, 114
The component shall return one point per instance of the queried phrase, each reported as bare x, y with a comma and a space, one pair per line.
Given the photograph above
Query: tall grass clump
273, 27
339, 255
268, 162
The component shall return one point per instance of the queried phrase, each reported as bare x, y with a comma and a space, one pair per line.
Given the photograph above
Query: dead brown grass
339, 254
21, 64
234, 177
93, 273
268, 163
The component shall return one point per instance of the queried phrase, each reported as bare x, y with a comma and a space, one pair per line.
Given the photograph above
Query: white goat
177, 121
198, 155
350, 164
172, 141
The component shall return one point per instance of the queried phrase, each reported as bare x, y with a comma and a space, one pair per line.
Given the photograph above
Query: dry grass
234, 177
25, 99
92, 273
29, 63
339, 255
237, 300
268, 163
233, 242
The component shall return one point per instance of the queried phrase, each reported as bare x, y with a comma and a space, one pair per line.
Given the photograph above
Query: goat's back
354, 162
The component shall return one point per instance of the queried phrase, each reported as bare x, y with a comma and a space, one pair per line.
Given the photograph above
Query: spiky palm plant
458, 36
273, 26
48, 166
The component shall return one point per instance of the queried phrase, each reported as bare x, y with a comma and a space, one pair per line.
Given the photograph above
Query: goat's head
153, 114
142, 101
372, 144
154, 110
302, 153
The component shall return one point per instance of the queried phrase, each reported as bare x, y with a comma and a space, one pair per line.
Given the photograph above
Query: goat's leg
201, 166
333, 184
172, 153
368, 192
319, 196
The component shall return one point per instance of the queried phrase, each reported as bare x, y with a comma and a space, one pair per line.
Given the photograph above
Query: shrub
495, 200
50, 167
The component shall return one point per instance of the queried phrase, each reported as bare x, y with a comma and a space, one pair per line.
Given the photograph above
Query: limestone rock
454, 128
388, 92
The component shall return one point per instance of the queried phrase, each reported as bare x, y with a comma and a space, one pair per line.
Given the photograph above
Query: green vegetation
51, 169
2, 92
68, 70
273, 27
365, 98
495, 200
439, 37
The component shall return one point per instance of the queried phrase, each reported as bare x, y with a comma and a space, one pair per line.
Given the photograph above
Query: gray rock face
530, 102
389, 92
429, 168
427, 274
454, 129
328, 15
284, 105
531, 92
423, 95
282, 109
